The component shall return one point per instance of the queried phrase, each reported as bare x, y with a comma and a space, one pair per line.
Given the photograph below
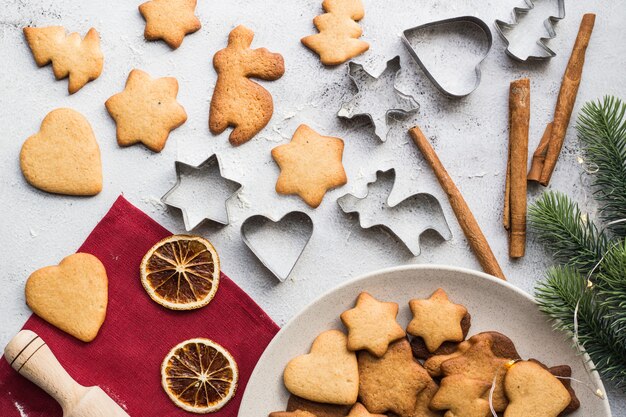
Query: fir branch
602, 130
560, 227
558, 295
611, 282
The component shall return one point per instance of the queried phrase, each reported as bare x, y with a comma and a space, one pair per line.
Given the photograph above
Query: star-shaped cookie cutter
201, 192
377, 97
406, 220
505, 28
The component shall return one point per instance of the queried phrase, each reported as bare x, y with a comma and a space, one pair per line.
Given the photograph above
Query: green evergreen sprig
565, 232
602, 130
558, 296
589, 253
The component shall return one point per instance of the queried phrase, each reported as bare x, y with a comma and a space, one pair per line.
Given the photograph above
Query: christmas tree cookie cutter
201, 192
465, 28
377, 97
512, 37
406, 220
278, 243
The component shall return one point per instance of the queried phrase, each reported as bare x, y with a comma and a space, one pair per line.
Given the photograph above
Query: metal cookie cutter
407, 220
377, 97
201, 192
278, 244
466, 34
514, 38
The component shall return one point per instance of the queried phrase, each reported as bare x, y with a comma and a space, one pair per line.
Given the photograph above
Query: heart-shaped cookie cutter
505, 28
400, 218
461, 20
278, 243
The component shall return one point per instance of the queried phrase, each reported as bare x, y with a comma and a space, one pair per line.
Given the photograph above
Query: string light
508, 365
596, 391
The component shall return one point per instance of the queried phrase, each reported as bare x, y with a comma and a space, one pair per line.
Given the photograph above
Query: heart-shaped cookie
328, 374
72, 296
534, 391
63, 157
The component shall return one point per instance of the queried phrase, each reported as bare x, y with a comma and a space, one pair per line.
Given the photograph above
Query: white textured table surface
470, 136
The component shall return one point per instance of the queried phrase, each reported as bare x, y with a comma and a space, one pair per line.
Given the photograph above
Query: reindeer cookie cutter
411, 217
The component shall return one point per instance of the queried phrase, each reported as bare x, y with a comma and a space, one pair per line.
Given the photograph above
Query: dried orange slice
199, 375
181, 272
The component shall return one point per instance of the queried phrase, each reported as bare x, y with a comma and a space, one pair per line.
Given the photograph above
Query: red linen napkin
125, 358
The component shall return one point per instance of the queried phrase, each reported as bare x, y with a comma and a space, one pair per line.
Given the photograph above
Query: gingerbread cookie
169, 20
295, 413
533, 391
486, 357
422, 406
309, 165
79, 59
437, 320
462, 397
318, 409
72, 296
63, 157
372, 325
393, 382
237, 101
146, 111
563, 373
328, 374
359, 410
420, 351
338, 40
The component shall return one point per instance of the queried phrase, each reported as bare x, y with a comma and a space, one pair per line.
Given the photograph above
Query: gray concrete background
470, 136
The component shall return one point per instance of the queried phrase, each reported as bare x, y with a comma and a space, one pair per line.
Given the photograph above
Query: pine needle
560, 226
558, 295
602, 130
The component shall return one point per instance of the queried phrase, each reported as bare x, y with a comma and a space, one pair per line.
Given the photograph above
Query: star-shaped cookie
372, 325
393, 382
436, 320
484, 360
462, 396
309, 165
169, 20
146, 111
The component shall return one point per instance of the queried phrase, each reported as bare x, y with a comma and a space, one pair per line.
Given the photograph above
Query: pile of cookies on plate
376, 370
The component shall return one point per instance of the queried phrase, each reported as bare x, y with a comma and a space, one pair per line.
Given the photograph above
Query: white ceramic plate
493, 304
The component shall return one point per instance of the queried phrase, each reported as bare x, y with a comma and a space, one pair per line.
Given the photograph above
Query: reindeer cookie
237, 101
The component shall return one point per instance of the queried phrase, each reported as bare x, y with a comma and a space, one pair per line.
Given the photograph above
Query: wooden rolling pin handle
29, 355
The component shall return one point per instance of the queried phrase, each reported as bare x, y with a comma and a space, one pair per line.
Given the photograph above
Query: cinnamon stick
567, 96
515, 193
467, 221
539, 157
